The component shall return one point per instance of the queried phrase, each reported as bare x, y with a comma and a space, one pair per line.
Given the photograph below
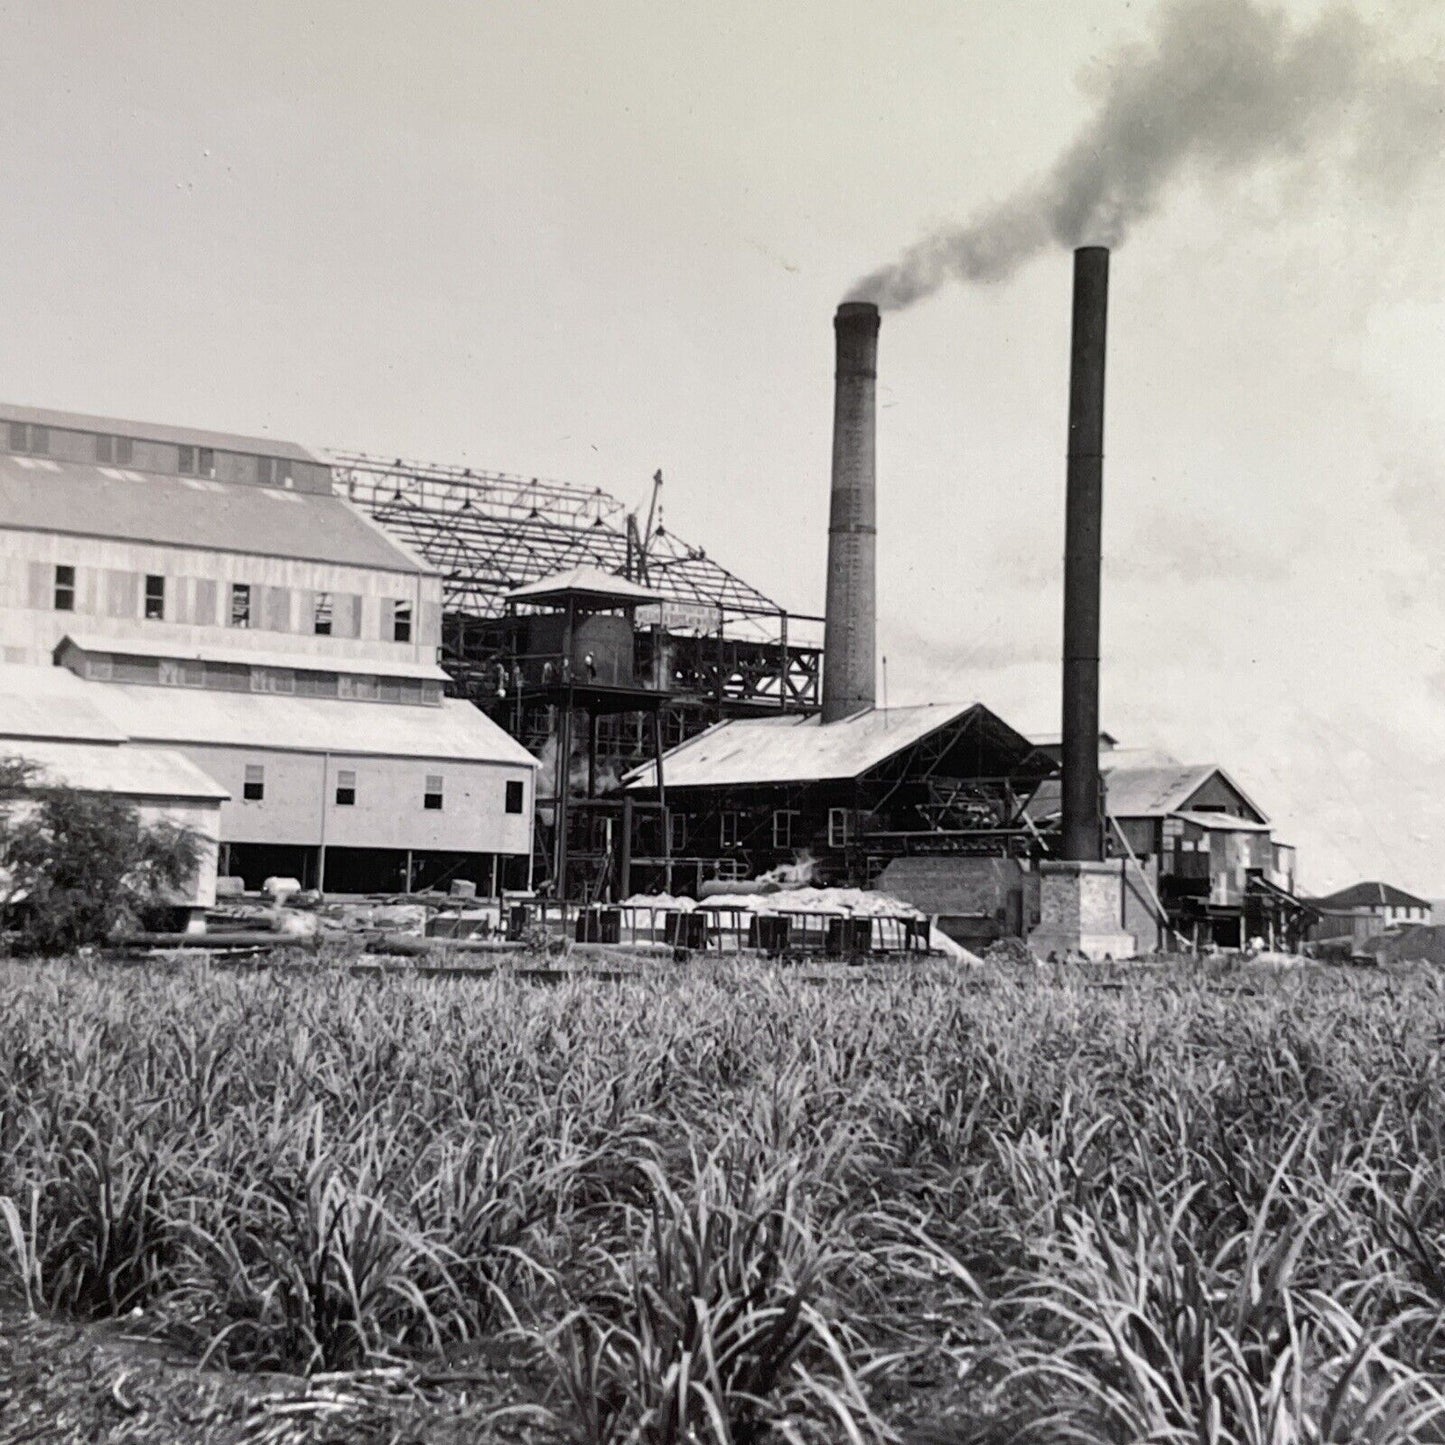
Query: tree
83, 866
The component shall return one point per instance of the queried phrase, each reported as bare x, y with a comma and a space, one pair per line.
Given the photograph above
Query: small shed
50, 719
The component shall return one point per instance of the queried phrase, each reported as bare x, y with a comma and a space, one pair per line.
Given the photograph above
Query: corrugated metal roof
129, 770
796, 750
50, 702
256, 657
158, 432
1159, 789
454, 729
42, 495
1370, 895
590, 583
1154, 792
1222, 822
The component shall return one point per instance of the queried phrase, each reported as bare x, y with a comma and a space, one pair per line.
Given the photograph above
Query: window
274, 679
783, 828
197, 461
65, 589
676, 832
401, 621
321, 624
728, 830
155, 598
120, 450
273, 472
254, 788
361, 686
514, 796
240, 604
345, 787
29, 438
432, 797
180, 672
837, 827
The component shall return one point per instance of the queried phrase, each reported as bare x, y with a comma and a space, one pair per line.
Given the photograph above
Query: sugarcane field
854, 858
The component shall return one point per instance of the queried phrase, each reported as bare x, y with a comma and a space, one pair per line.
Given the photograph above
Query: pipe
850, 623
1083, 813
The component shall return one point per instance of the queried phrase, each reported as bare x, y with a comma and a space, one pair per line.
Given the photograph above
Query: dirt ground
102, 1384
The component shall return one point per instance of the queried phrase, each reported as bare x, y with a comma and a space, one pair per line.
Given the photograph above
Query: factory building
1202, 864
1366, 910
593, 635
218, 600
1199, 859
851, 796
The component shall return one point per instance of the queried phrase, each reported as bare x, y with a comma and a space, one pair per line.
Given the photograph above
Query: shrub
82, 866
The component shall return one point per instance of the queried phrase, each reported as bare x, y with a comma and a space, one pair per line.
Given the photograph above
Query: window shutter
122, 593
42, 585
179, 605
275, 609
345, 614
204, 610
87, 590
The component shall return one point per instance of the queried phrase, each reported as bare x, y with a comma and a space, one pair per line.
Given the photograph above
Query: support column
1080, 903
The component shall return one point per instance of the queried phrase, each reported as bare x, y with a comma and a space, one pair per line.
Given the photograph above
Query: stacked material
844, 902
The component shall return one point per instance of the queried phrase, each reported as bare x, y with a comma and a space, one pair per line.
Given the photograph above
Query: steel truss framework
489, 532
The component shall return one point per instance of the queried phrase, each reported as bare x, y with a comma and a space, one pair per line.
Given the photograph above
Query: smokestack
1083, 814
849, 627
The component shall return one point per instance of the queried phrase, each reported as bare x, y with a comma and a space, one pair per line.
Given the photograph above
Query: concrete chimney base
1080, 905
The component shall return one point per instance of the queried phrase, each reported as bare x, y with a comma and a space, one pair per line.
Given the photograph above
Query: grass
727, 1205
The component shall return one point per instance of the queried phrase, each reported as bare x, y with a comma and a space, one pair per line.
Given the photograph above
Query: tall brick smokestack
850, 626
1083, 813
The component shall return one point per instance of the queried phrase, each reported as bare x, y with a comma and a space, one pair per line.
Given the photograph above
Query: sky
587, 242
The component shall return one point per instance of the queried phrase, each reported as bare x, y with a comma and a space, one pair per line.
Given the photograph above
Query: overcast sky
586, 241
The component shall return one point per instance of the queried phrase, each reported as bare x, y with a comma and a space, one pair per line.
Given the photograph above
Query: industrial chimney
1083, 813
850, 623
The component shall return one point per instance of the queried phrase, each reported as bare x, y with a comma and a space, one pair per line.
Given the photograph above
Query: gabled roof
127, 770
143, 645
587, 585
157, 432
1158, 788
1157, 791
176, 715
1370, 895
52, 703
39, 494
752, 751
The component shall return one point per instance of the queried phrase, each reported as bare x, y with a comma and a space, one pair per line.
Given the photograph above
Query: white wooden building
224, 603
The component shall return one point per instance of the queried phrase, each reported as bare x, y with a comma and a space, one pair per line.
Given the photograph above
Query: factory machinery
707, 645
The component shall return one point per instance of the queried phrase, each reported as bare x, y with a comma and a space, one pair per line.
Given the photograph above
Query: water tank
601, 649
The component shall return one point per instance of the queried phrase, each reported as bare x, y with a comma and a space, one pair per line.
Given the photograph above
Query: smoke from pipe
1223, 85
